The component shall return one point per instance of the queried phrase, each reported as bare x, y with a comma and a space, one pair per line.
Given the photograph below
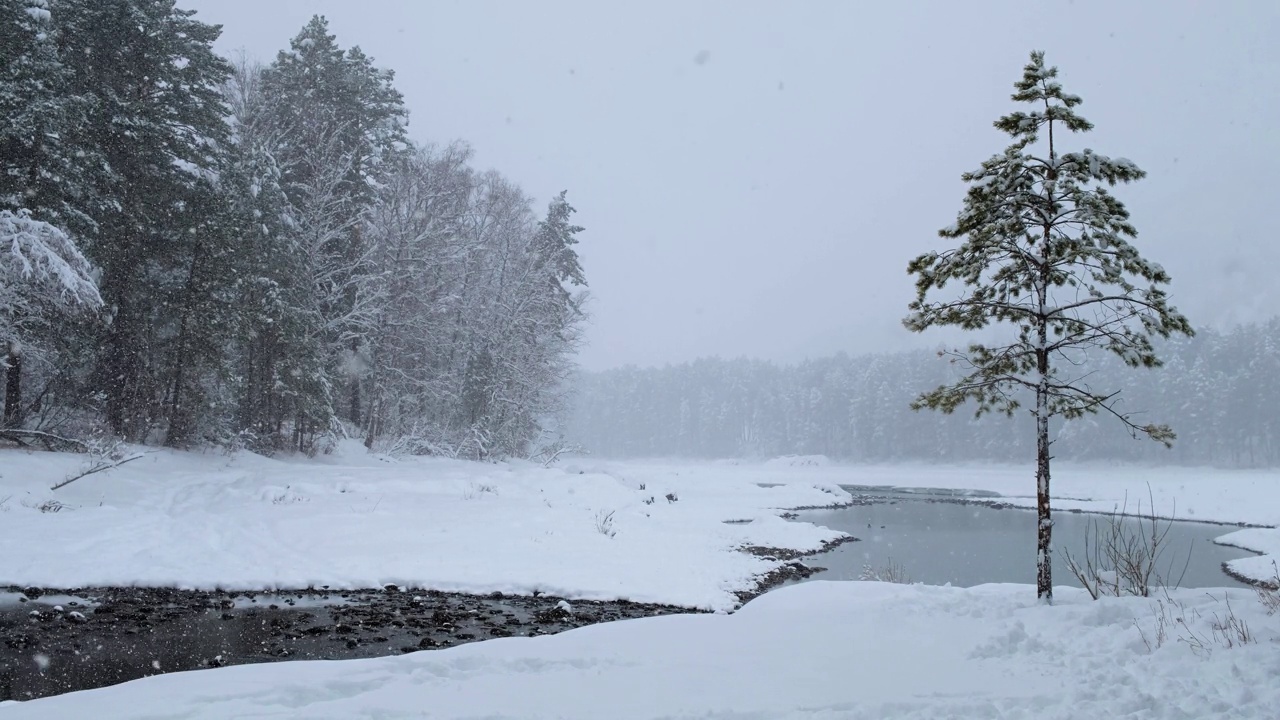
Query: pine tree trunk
1044, 525
13, 389
180, 424
121, 370
120, 355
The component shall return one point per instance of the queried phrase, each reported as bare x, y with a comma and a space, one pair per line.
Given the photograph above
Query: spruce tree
1046, 248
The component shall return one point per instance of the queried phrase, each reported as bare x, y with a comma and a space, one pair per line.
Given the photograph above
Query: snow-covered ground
356, 521
819, 651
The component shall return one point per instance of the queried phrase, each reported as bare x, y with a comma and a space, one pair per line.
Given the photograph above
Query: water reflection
939, 542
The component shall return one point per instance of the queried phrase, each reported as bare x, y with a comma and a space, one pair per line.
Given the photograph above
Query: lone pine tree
1045, 247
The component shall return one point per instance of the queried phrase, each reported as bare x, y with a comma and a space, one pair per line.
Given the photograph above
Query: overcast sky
755, 176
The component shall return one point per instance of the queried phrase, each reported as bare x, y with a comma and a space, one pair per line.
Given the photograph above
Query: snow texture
357, 520
817, 651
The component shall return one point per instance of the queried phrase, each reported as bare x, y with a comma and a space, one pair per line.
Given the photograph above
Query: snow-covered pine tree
42, 276
280, 389
552, 315
157, 117
334, 111
47, 175
1046, 248
46, 165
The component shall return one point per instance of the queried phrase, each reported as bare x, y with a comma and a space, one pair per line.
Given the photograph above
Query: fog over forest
1219, 391
467, 235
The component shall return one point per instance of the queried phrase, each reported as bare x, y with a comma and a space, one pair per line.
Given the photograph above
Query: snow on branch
40, 255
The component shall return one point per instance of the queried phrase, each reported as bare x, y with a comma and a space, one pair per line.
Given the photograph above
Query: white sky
754, 176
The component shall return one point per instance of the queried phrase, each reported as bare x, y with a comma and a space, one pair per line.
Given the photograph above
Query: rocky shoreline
793, 570
55, 641
61, 640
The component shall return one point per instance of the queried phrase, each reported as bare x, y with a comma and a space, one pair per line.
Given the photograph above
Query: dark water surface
937, 541
56, 643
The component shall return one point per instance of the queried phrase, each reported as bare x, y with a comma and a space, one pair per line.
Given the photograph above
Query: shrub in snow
1268, 596
891, 572
475, 490
604, 523
1124, 554
1188, 625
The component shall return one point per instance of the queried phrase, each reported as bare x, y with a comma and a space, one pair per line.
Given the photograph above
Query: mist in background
754, 176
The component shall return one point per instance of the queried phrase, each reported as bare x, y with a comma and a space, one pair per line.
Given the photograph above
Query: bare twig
1119, 560
97, 468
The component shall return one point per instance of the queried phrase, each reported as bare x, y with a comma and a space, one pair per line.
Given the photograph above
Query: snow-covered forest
196, 250
1218, 390
307, 412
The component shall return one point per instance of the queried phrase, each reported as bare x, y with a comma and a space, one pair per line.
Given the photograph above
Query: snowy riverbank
356, 520
818, 651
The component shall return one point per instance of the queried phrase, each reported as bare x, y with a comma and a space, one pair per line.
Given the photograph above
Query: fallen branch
45, 438
97, 468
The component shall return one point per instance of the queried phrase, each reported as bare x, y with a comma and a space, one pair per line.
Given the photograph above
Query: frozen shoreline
818, 651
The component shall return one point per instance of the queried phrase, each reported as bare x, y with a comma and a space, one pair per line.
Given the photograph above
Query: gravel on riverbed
54, 641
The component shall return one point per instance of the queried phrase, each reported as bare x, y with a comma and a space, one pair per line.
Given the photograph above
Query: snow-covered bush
475, 490
891, 572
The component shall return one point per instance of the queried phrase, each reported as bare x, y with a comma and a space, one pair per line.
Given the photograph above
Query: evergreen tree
156, 115
272, 252
1047, 249
46, 165
341, 123
280, 394
42, 275
47, 174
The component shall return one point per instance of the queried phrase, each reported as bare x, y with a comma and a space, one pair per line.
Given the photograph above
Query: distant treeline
1219, 391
